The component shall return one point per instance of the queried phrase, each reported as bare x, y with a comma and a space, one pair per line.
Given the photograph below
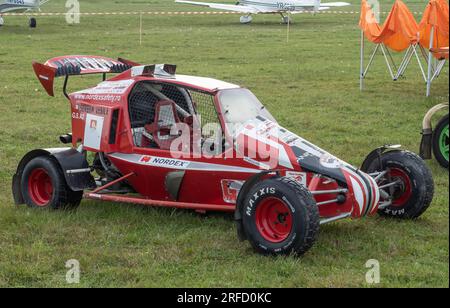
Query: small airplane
282, 7
21, 6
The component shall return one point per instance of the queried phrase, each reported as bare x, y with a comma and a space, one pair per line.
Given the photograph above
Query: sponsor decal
93, 131
93, 124
97, 110
145, 159
329, 161
265, 128
256, 196
164, 162
304, 156
191, 165
230, 190
98, 97
78, 116
110, 87
299, 177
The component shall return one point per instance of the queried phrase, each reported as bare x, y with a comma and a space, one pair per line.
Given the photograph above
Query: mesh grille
145, 96
142, 106
204, 105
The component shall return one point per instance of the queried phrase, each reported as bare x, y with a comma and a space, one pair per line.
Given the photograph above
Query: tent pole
372, 57
438, 70
420, 65
430, 59
406, 61
440, 67
387, 61
361, 70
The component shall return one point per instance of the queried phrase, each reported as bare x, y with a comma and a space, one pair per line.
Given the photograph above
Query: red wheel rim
403, 191
274, 220
40, 187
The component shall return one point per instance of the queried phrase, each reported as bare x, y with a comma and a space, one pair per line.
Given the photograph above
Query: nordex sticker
164, 162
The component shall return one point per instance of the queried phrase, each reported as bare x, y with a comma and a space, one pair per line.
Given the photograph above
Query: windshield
240, 106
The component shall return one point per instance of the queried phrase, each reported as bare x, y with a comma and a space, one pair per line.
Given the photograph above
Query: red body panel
101, 123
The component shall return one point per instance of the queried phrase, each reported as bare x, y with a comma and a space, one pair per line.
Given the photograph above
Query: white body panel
7, 6
110, 89
93, 131
203, 82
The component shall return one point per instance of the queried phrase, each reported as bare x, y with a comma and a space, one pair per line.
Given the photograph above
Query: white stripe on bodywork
377, 195
359, 196
372, 184
186, 164
353, 176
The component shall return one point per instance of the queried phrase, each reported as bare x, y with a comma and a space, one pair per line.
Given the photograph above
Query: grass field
311, 86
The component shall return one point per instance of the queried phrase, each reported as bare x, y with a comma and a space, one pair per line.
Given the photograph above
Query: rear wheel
441, 142
43, 186
280, 217
408, 183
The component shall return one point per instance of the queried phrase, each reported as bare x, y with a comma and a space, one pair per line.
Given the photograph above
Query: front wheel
406, 180
43, 186
441, 142
280, 217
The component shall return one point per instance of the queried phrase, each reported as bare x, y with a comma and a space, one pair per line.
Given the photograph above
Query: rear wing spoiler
66, 66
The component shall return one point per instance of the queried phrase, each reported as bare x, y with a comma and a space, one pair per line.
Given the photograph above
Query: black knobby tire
43, 186
303, 215
32, 23
441, 127
419, 187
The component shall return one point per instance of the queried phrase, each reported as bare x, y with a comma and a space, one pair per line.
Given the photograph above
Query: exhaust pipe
427, 131
66, 139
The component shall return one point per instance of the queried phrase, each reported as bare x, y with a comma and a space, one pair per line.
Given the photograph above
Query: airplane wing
17, 6
334, 4
322, 7
226, 7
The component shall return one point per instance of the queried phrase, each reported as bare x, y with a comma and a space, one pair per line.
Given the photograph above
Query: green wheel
440, 142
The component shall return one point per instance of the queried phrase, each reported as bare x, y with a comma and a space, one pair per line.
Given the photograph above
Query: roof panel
201, 82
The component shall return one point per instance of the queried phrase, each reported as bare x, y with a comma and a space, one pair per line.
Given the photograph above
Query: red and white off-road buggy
162, 139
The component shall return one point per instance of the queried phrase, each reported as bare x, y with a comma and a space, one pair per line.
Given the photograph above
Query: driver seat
166, 117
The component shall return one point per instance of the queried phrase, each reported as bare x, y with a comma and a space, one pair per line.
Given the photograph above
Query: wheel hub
402, 191
444, 142
274, 220
40, 187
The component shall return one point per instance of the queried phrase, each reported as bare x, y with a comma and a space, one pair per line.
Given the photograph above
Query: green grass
311, 86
